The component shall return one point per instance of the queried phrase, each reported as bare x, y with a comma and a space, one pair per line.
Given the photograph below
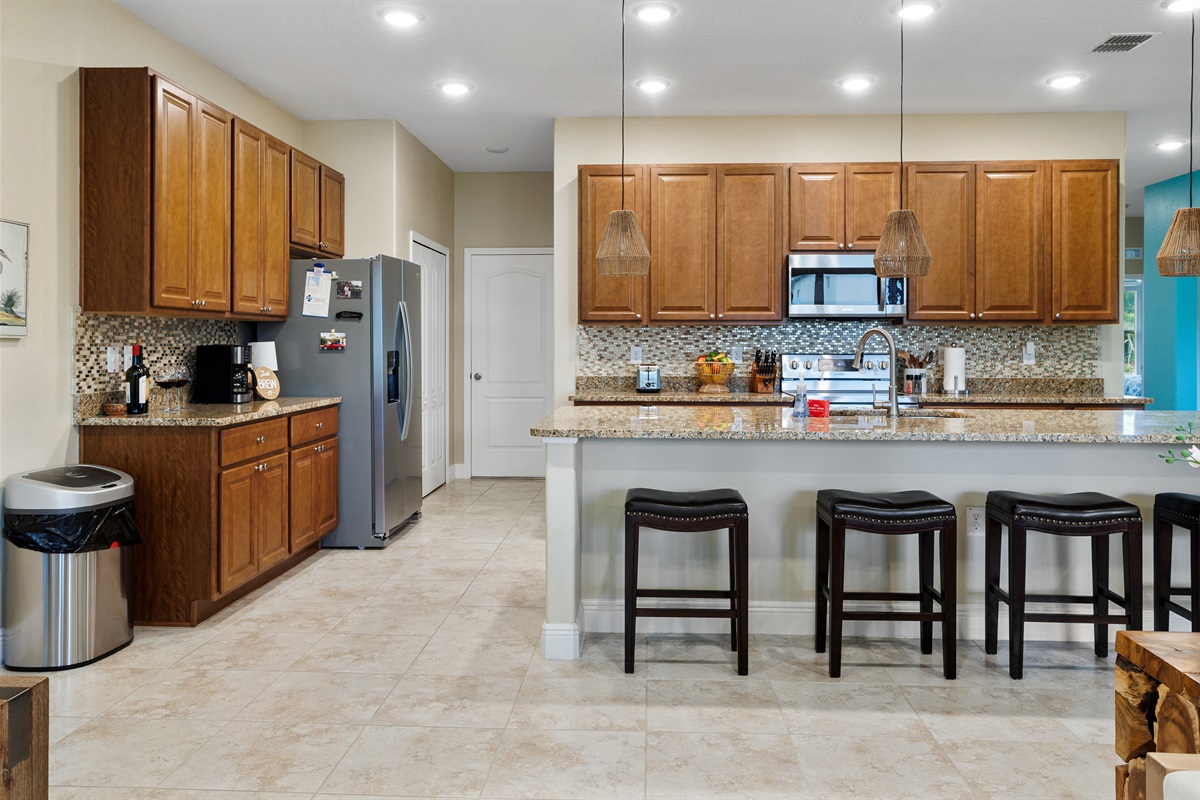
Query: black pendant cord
901, 103
623, 105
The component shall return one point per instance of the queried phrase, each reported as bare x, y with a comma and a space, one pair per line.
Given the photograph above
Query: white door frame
415, 238
468, 384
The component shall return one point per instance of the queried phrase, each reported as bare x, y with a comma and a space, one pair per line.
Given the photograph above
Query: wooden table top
1172, 658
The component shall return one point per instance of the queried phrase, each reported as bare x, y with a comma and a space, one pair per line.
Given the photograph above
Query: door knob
477, 376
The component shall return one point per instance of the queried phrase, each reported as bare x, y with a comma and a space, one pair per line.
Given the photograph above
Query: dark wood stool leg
822, 581
1194, 577
949, 555
925, 569
1099, 583
733, 589
837, 583
991, 613
1163, 531
1133, 576
1016, 599
743, 596
631, 577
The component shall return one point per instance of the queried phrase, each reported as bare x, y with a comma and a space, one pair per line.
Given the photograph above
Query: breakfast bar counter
594, 454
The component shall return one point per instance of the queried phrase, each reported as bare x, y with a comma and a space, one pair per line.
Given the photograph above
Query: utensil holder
761, 383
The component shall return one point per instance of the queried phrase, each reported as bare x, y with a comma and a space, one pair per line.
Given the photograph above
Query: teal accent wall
1172, 306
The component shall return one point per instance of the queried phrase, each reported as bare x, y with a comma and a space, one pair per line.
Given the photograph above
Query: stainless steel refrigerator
376, 304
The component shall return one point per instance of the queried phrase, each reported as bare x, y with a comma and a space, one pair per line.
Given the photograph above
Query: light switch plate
128, 357
1028, 355
635, 354
113, 361
736, 354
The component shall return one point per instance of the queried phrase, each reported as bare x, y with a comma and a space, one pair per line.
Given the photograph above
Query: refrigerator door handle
408, 376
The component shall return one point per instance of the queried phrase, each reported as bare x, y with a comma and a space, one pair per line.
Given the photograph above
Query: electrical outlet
128, 357
113, 359
736, 354
635, 354
1028, 356
975, 524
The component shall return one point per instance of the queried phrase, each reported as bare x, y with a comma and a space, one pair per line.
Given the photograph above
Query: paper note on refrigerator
317, 285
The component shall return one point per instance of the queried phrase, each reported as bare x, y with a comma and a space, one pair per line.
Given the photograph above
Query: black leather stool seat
883, 508
1081, 508
711, 503
1187, 505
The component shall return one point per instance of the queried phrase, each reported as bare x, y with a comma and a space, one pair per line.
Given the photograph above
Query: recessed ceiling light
455, 87
1171, 144
915, 10
654, 12
401, 17
1065, 81
1181, 5
856, 84
653, 85
496, 150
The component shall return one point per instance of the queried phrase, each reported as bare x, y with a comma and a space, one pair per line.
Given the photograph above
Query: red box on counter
818, 408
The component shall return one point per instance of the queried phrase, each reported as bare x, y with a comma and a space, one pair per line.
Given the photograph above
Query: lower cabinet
314, 488
253, 532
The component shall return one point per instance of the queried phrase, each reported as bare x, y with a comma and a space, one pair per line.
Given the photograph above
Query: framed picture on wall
14, 277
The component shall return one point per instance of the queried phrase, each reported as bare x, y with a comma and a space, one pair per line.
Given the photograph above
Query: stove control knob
868, 366
808, 365
883, 364
794, 364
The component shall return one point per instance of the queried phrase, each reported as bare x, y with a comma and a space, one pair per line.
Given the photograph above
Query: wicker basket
714, 375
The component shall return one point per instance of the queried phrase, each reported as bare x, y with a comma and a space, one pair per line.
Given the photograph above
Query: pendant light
902, 251
623, 249
1179, 256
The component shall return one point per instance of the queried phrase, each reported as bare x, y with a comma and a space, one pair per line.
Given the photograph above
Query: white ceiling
534, 60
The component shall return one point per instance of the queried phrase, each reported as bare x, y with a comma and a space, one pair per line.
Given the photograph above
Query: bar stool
1174, 508
891, 514
688, 512
1081, 514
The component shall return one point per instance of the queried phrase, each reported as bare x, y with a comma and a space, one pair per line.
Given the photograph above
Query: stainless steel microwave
841, 285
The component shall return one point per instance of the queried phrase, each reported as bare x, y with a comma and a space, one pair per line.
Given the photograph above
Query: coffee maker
222, 374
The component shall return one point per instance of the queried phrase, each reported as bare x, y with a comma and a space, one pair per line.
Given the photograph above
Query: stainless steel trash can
68, 570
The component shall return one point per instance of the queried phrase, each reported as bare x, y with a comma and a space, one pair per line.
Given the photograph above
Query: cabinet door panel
271, 511
211, 223
751, 237
609, 298
306, 200
333, 211
1009, 242
683, 234
326, 487
817, 207
943, 198
302, 517
237, 546
1085, 273
249, 145
872, 190
175, 129
277, 186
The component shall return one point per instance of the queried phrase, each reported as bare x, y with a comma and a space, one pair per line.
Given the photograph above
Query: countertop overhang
1127, 426
216, 415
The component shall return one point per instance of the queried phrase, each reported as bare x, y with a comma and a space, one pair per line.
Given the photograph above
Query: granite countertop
632, 396
975, 425
1031, 399
216, 415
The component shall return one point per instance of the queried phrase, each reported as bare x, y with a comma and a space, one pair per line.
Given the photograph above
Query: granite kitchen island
595, 453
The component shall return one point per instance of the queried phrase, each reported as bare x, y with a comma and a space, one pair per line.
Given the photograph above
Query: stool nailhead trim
879, 521
1089, 524
641, 515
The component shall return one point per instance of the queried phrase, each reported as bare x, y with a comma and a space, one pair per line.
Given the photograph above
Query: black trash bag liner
73, 531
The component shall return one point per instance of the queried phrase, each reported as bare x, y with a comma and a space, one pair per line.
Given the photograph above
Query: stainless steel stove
831, 377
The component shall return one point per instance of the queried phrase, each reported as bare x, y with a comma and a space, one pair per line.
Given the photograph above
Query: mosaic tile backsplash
992, 352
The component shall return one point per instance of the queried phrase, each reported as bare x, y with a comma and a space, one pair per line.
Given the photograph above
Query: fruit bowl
714, 375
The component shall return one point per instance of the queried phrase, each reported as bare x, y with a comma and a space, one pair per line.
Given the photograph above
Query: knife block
761, 383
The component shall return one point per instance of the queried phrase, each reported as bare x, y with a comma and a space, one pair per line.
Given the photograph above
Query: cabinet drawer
313, 425
253, 441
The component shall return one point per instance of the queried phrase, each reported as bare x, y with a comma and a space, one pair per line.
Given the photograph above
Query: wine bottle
137, 384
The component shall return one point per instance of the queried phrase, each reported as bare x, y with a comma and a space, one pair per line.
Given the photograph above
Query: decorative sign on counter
265, 383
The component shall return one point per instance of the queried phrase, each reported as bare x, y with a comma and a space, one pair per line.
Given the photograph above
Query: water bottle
800, 407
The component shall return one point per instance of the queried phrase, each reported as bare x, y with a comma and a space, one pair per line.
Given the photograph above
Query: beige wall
42, 44
967, 137
491, 209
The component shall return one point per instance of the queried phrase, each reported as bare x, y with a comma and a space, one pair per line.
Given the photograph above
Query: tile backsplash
1068, 351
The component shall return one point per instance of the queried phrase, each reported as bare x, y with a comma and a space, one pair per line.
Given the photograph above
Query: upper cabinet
1084, 273
1011, 225
609, 298
318, 207
752, 211
683, 243
943, 198
185, 210
841, 206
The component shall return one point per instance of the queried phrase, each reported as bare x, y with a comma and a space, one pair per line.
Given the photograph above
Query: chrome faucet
890, 405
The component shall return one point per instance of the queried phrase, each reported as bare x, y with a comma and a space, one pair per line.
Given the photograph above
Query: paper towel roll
954, 369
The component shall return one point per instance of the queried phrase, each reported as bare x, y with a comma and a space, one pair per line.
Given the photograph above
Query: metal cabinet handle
720, 316
320, 424
1058, 315
972, 315
639, 316
261, 439
712, 316
841, 245
981, 315
850, 246
477, 376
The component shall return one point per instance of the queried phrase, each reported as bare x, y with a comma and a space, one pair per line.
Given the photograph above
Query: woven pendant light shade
623, 249
902, 252
1179, 256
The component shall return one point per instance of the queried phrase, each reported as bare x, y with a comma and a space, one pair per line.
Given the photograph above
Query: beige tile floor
415, 672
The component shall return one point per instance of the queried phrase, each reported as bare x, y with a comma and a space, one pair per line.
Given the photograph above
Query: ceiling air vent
1123, 42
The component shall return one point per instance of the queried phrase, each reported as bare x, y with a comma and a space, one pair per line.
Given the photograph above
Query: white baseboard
563, 640
458, 472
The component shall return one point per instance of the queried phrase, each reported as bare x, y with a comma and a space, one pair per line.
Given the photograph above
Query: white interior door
511, 360
435, 408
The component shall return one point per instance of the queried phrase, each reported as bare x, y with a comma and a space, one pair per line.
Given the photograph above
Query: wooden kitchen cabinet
752, 218
841, 206
610, 298
253, 531
943, 198
683, 243
318, 206
261, 235
314, 476
1084, 274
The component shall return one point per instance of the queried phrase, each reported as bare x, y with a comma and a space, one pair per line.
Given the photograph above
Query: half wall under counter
595, 453
227, 498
